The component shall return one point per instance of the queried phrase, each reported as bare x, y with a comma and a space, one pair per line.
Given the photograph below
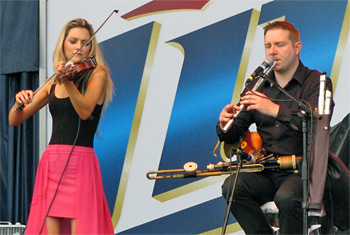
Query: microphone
245, 156
265, 64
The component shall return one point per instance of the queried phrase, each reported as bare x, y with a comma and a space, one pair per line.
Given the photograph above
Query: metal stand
304, 114
224, 226
305, 172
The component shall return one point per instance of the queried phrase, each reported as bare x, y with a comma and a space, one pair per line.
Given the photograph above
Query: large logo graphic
168, 96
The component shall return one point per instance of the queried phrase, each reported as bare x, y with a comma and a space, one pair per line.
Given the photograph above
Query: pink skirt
80, 194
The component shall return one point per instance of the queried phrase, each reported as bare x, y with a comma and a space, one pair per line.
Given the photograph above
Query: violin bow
21, 106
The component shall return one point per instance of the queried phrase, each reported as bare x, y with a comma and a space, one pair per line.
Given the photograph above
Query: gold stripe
177, 46
231, 228
188, 188
343, 38
206, 6
245, 56
136, 123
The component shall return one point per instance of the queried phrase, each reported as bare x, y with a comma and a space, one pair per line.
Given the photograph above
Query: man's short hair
294, 35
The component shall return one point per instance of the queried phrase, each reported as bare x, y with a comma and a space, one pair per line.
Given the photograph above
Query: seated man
280, 128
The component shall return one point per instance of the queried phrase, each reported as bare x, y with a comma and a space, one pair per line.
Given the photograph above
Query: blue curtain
19, 66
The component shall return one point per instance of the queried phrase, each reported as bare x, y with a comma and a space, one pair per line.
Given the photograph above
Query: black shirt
65, 122
281, 135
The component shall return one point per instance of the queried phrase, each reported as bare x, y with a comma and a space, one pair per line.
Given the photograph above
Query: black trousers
255, 189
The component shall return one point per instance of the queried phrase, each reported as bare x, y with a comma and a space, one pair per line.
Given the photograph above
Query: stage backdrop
175, 65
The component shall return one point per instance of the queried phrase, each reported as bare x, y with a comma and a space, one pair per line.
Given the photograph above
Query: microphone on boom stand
264, 65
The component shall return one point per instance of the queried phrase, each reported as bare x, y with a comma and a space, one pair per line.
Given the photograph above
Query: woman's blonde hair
95, 51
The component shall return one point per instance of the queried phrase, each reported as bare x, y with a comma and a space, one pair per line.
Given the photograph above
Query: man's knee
226, 187
242, 187
287, 202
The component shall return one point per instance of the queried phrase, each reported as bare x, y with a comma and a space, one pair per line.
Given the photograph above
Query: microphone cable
59, 182
64, 169
272, 99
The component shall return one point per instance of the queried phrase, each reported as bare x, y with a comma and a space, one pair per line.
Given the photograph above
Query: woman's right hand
31, 103
25, 97
227, 114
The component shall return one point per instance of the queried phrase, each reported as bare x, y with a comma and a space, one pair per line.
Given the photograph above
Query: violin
251, 144
89, 62
73, 70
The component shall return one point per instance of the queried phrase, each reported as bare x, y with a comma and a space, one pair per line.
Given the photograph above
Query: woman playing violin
68, 193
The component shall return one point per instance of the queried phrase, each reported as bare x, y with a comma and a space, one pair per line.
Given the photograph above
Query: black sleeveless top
65, 122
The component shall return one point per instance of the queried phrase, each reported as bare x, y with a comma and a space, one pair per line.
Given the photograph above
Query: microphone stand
239, 163
306, 112
261, 81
